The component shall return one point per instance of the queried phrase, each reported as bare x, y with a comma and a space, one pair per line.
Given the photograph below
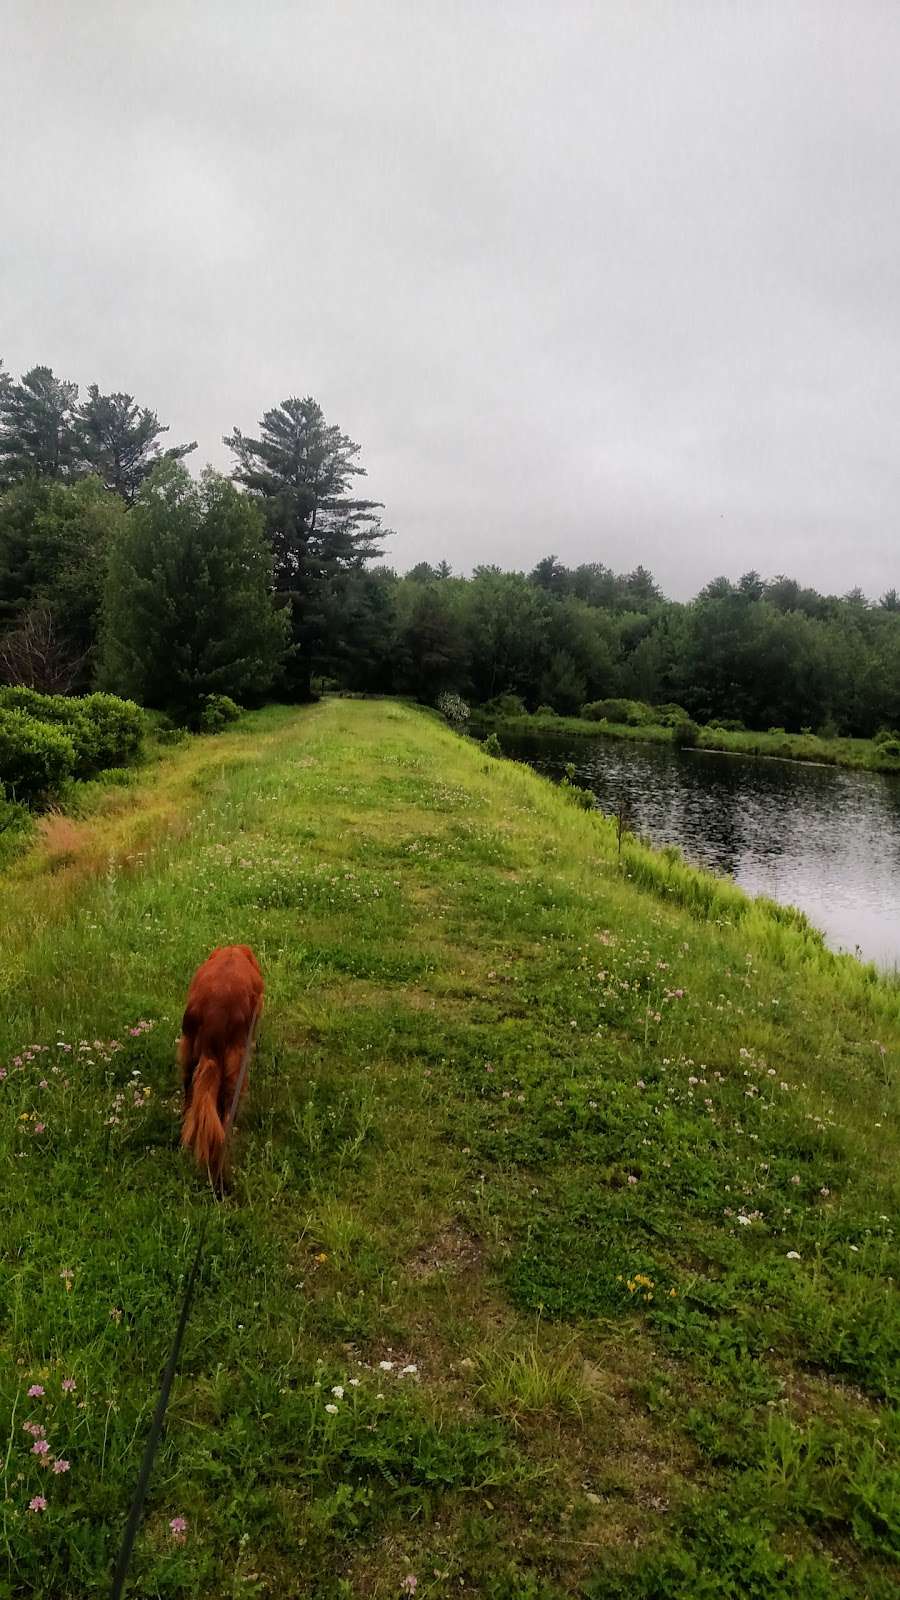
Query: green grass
862, 753
576, 1177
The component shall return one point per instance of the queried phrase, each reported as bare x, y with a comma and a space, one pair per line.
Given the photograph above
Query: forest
120, 571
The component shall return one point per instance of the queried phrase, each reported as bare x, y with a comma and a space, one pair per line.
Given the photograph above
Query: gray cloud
618, 281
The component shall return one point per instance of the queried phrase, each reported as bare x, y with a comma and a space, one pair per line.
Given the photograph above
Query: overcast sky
617, 281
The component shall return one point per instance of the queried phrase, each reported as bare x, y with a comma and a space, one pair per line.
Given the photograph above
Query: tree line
119, 570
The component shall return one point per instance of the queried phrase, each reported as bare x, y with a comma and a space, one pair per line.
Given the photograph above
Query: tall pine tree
119, 441
37, 431
301, 469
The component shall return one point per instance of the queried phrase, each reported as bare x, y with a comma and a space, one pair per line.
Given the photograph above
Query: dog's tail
202, 1130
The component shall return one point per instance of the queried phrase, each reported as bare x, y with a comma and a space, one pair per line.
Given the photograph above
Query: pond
825, 839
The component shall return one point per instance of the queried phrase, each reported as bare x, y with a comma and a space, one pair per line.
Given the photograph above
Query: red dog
226, 993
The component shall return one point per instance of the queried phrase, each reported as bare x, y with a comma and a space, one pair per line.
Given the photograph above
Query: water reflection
821, 838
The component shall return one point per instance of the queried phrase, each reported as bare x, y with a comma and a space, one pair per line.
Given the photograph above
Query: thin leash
159, 1415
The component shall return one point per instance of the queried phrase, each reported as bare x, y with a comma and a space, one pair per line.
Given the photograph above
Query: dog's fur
224, 994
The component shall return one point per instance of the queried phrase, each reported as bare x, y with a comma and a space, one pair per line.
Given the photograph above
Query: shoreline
854, 755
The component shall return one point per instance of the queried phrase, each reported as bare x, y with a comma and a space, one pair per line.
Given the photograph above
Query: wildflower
38, 1503
322, 1256
36, 1391
386, 1366
824, 1191
178, 1528
116, 1314
60, 1466
338, 1391
354, 1383
332, 1410
793, 1255
410, 1584
744, 1221
412, 1368
40, 1447
36, 1429
632, 1178
67, 1275
795, 1179
39, 1127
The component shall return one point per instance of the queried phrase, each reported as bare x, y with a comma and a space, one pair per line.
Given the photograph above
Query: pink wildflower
38, 1503
410, 1584
40, 1447
60, 1466
36, 1391
178, 1529
68, 1386
39, 1127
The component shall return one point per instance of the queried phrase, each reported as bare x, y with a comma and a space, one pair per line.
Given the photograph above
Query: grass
562, 1255
842, 752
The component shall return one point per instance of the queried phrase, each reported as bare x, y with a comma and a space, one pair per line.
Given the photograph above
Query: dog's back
224, 995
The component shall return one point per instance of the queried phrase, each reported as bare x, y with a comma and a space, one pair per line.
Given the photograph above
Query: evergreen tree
119, 441
37, 428
302, 468
188, 608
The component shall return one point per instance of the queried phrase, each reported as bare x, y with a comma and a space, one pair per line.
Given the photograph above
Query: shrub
216, 712
118, 728
633, 712
59, 710
505, 705
728, 724
669, 715
454, 708
888, 749
35, 757
105, 731
886, 736
685, 734
546, 711
491, 746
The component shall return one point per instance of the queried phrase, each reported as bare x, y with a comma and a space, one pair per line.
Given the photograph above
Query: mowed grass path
562, 1253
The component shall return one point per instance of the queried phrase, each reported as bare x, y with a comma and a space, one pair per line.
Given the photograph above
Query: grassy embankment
860, 753
562, 1256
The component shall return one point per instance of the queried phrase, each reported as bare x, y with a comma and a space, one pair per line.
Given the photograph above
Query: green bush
118, 728
491, 746
505, 705
888, 749
886, 736
105, 731
669, 716
728, 724
216, 712
685, 734
35, 757
633, 712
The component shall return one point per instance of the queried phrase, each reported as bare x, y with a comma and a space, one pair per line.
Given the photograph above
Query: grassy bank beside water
860, 753
562, 1255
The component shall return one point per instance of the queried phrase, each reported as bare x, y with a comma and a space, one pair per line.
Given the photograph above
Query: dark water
821, 838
